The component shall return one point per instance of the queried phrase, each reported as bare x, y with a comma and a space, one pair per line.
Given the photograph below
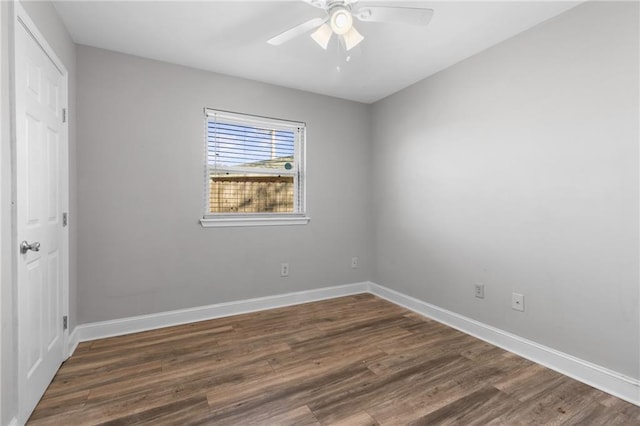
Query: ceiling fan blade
396, 15
320, 4
296, 31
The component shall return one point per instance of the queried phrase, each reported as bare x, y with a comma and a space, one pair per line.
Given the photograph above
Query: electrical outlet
284, 269
479, 290
517, 302
354, 262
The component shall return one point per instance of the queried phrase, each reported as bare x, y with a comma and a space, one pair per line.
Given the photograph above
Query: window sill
225, 222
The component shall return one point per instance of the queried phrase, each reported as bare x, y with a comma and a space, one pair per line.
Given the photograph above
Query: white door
41, 147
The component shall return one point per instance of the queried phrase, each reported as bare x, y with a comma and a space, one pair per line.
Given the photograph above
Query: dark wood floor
356, 360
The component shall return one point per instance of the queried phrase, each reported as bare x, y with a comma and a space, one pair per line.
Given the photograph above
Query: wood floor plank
110, 362
253, 407
620, 406
434, 393
184, 378
224, 356
599, 415
355, 360
132, 400
361, 418
140, 340
402, 386
186, 412
51, 406
530, 382
66, 383
301, 416
303, 379
477, 408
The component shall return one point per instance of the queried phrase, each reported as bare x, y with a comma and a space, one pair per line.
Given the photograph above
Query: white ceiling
229, 37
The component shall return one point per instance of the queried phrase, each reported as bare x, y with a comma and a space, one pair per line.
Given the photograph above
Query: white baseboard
609, 381
73, 342
100, 330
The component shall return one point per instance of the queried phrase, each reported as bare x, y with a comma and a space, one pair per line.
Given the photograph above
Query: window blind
236, 145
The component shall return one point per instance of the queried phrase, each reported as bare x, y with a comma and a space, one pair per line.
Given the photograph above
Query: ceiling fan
339, 16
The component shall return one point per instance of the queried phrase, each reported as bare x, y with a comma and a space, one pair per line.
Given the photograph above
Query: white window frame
299, 216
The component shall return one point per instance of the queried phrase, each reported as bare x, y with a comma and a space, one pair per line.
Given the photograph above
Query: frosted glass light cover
352, 38
322, 36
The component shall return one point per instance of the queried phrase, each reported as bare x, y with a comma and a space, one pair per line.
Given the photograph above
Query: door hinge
64, 115
65, 219
65, 322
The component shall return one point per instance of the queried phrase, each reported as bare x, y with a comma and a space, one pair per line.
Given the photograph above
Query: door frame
2, 124
21, 18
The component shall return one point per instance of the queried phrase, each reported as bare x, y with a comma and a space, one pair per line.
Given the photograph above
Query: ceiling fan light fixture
352, 38
341, 21
322, 35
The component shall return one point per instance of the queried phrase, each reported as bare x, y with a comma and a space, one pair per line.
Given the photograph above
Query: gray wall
46, 19
518, 168
141, 248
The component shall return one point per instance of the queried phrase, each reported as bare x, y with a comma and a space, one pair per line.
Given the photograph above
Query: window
254, 170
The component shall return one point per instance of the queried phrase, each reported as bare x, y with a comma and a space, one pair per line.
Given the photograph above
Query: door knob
25, 247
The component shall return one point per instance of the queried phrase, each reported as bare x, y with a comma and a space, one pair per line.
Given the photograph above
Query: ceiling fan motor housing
341, 20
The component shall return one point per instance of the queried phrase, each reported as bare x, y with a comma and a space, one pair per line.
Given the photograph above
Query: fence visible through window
251, 194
